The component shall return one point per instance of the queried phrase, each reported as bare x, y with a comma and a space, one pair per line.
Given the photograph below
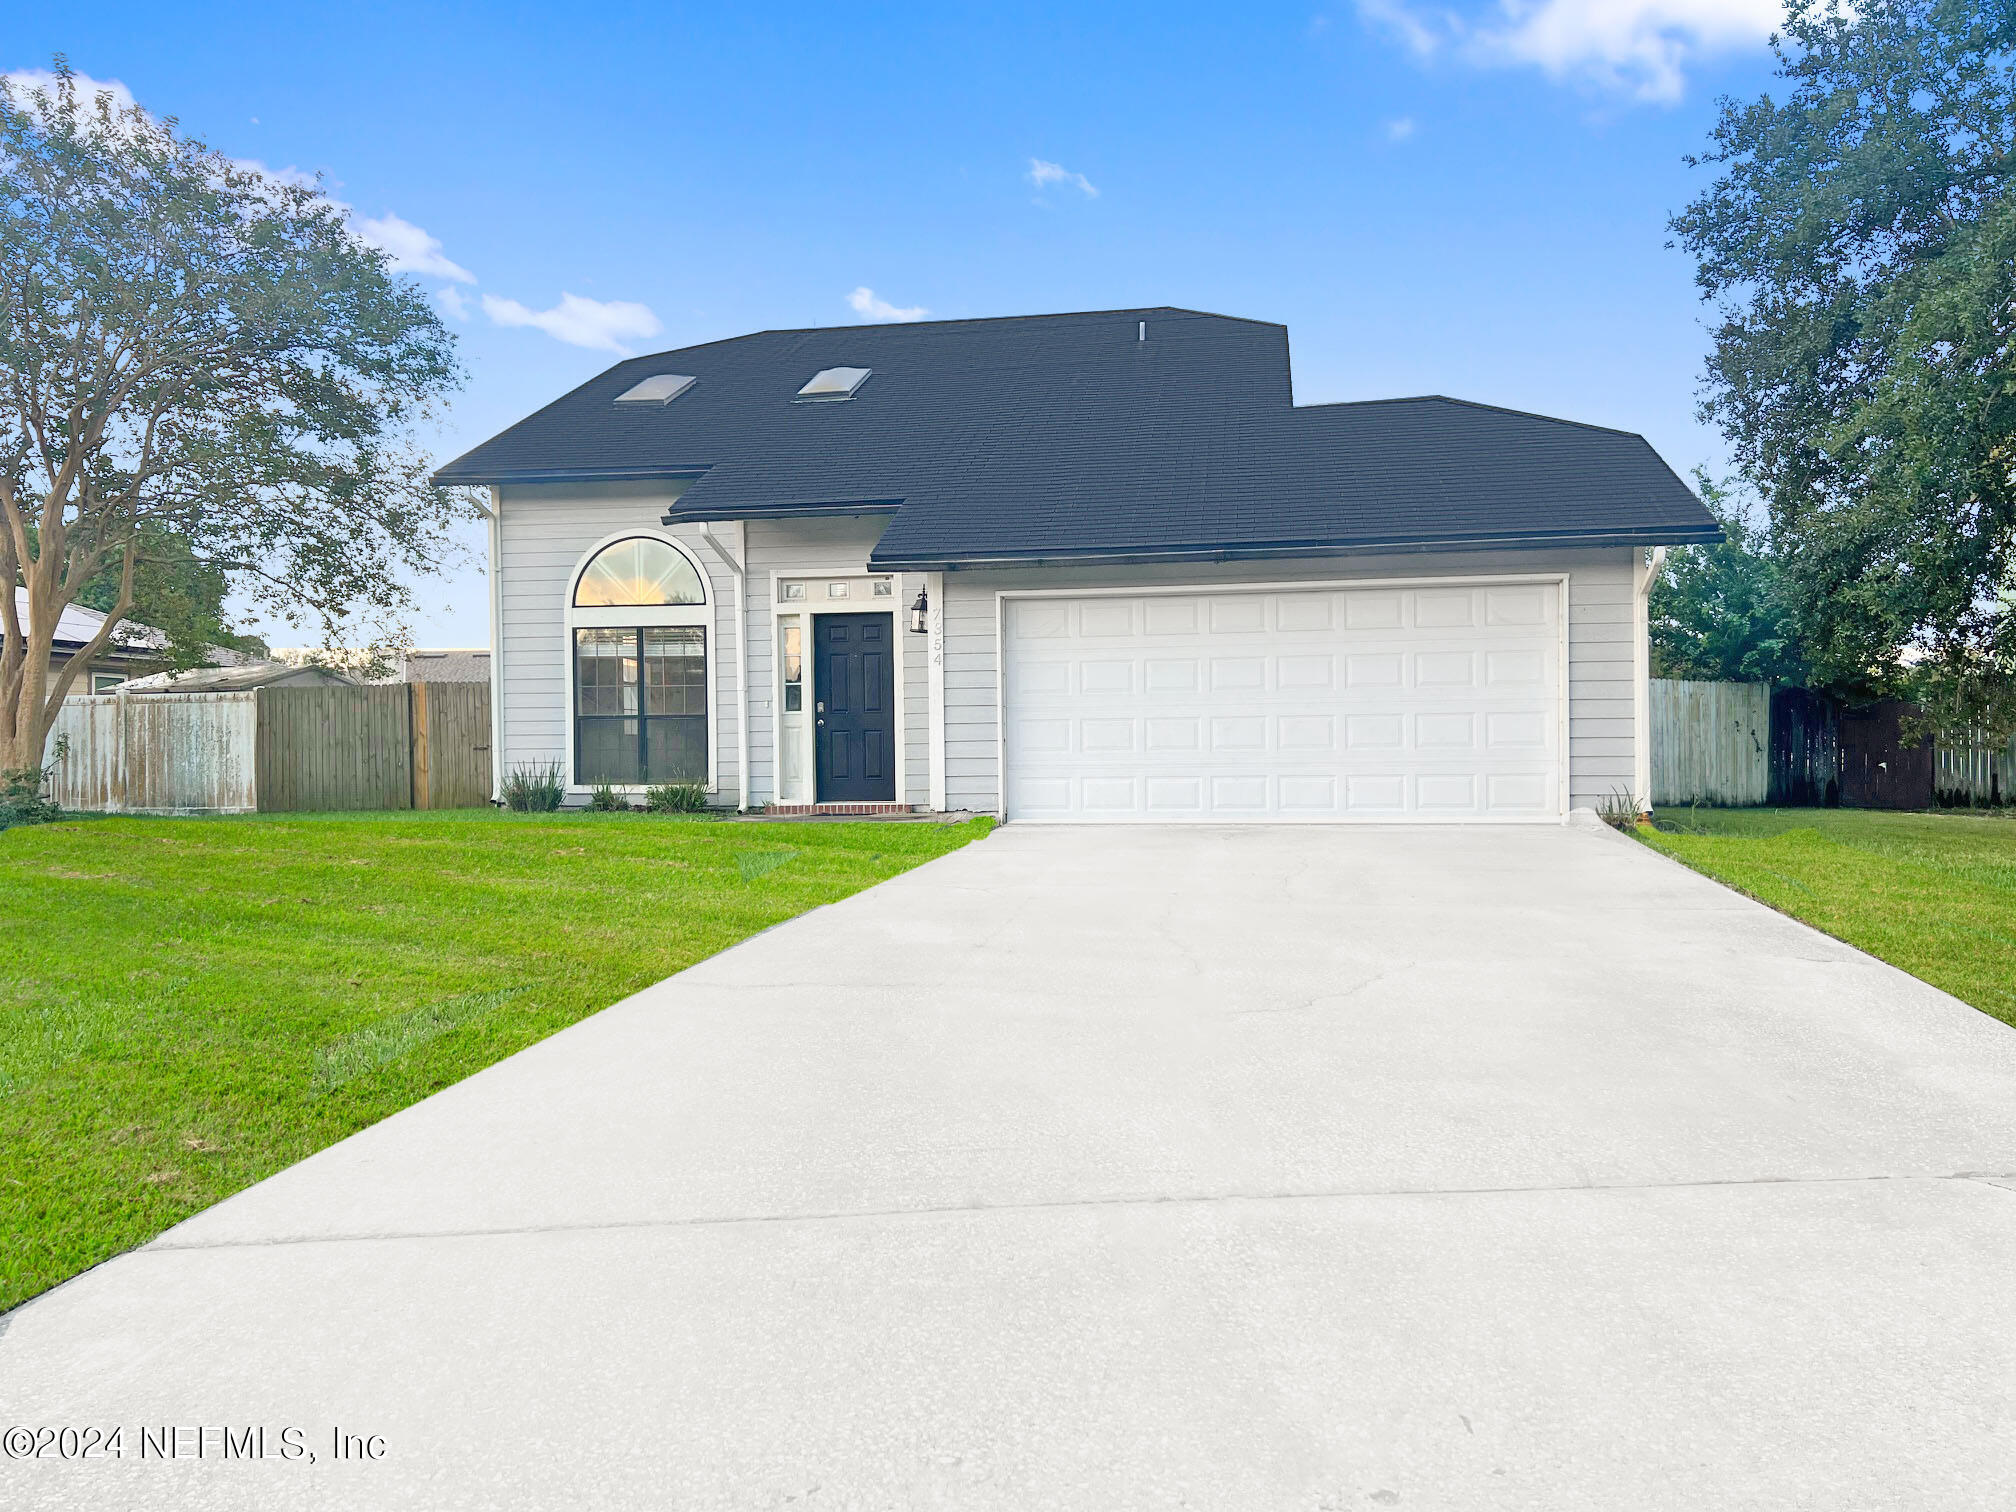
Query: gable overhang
1259, 551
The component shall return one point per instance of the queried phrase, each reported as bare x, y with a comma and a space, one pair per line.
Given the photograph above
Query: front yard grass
1933, 894
188, 1005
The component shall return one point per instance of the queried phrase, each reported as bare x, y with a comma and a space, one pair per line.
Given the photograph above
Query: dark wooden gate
1877, 769
1805, 749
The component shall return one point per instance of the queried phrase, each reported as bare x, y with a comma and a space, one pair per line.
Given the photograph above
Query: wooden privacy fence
1731, 744
275, 750
1711, 742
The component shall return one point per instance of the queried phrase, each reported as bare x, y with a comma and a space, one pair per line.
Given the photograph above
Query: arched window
638, 625
640, 572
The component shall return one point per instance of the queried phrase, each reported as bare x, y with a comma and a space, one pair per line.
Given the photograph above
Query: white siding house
1140, 592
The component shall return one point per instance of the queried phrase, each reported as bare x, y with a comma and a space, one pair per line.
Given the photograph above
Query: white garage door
1376, 703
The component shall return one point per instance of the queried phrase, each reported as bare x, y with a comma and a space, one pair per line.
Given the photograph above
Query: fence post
422, 763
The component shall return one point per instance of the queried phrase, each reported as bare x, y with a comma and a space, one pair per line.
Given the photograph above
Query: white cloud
1641, 48
1422, 38
1400, 128
411, 249
603, 326
1043, 175
867, 305
27, 82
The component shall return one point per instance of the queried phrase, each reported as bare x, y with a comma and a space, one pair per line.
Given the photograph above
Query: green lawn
188, 1005
1934, 894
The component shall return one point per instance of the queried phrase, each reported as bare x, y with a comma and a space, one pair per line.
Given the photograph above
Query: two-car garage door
1374, 703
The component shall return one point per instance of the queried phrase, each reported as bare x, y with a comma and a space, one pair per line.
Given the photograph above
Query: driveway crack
1190, 1199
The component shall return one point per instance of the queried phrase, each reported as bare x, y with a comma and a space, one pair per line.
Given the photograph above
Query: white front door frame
809, 610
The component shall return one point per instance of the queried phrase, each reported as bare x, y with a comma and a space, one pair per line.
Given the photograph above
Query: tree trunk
24, 732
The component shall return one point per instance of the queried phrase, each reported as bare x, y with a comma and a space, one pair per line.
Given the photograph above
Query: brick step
786, 810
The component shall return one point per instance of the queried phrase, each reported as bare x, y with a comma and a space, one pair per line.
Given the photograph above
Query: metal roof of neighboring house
251, 674
1112, 434
76, 625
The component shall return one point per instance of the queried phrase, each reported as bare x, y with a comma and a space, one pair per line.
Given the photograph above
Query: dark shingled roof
1066, 437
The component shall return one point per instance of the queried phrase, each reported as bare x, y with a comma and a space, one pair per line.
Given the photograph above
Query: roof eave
451, 477
823, 510
1662, 535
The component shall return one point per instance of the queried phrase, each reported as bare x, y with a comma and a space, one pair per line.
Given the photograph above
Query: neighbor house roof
237, 679
454, 664
1112, 435
76, 625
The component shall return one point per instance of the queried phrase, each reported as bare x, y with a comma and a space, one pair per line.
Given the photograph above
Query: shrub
21, 800
676, 798
604, 799
1619, 810
533, 789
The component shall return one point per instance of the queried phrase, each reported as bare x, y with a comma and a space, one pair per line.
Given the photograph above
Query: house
131, 651
1094, 567
240, 677
460, 664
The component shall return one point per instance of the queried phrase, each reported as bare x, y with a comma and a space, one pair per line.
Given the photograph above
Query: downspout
495, 515
1641, 693
738, 567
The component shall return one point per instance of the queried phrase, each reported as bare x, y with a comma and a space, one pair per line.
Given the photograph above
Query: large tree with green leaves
204, 376
1859, 242
1722, 613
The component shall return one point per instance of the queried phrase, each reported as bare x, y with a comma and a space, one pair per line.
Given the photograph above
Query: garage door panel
1444, 610
1175, 796
1037, 621
1523, 605
1374, 611
1106, 735
1445, 732
1243, 614
1515, 669
1111, 794
1110, 619
1381, 669
1306, 732
1445, 792
1238, 674
1305, 671
1296, 612
1337, 704
1175, 733
1171, 616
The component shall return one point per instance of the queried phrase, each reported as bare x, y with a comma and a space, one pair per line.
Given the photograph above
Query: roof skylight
659, 388
834, 383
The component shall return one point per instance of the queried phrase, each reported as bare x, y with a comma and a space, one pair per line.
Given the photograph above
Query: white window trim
625, 617
1465, 579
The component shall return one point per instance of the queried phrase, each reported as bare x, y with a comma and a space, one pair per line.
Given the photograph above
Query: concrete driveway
1110, 1168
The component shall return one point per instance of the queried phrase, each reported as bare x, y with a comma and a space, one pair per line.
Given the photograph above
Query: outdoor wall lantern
920, 615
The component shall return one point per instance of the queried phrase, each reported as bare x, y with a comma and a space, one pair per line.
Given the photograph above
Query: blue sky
1464, 198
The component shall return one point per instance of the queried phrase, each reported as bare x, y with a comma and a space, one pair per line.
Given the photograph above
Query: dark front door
854, 707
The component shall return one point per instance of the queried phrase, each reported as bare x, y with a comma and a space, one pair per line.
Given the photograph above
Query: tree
178, 593
1860, 244
198, 363
1721, 613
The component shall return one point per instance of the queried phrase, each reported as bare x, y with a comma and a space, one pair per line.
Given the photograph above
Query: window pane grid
640, 705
